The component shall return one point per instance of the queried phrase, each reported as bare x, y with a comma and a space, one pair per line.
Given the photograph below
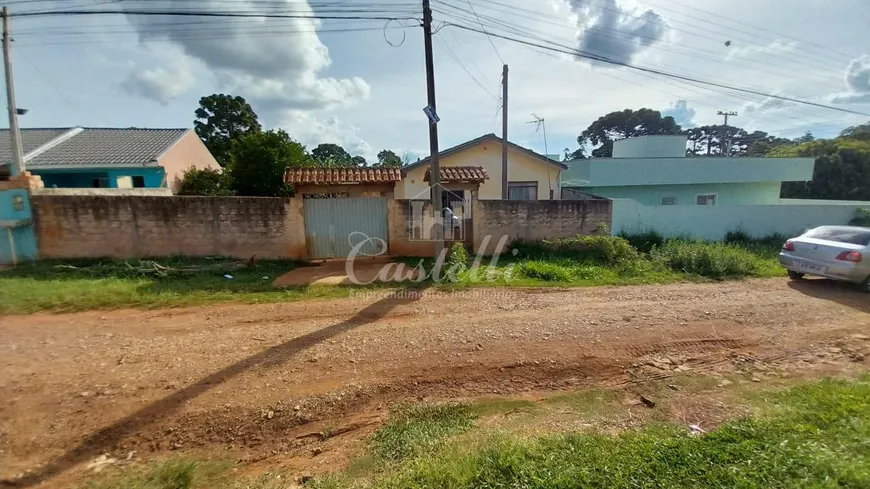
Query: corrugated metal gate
333, 226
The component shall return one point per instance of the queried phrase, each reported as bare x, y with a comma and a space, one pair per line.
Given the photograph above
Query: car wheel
795, 275
865, 285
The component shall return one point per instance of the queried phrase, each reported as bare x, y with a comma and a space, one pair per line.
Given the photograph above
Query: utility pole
504, 132
435, 168
14, 133
725, 144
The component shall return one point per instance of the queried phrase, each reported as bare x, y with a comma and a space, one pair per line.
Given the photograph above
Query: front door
333, 226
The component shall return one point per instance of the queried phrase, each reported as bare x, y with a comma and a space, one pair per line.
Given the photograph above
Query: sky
361, 83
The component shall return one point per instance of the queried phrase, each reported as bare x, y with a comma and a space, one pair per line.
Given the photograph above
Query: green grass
414, 429
811, 436
175, 473
51, 285
78, 285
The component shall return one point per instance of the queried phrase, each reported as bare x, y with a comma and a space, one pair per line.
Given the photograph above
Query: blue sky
356, 89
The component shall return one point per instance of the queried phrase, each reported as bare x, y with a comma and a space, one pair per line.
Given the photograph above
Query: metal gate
333, 226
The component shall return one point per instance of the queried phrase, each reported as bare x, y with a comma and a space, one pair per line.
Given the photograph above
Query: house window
669, 200
706, 199
522, 190
100, 182
138, 181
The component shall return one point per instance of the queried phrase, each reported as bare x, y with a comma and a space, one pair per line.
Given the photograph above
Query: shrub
528, 248
204, 182
644, 242
457, 260
610, 250
544, 270
737, 236
861, 218
714, 260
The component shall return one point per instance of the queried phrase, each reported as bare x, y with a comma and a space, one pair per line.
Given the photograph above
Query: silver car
835, 252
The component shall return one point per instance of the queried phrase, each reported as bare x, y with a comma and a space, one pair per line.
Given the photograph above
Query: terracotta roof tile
460, 174
342, 175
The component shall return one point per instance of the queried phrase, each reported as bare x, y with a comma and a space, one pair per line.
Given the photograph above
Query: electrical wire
601, 59
456, 58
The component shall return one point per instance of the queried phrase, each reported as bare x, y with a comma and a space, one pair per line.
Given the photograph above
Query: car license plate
810, 268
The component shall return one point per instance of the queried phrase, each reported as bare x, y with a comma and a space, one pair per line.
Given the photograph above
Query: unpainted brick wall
538, 219
137, 226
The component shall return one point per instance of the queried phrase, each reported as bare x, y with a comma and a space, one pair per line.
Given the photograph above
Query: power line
601, 59
484, 30
455, 58
203, 13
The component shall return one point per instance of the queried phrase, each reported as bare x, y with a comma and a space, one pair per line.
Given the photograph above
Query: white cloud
768, 104
161, 84
308, 129
614, 32
275, 61
774, 47
857, 80
681, 112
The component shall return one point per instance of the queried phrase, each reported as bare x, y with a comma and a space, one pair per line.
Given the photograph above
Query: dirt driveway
259, 381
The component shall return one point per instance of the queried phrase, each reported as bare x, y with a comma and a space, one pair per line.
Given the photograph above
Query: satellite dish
727, 43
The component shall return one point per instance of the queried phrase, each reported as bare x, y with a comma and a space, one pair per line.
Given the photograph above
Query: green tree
388, 159
861, 132
258, 162
841, 172
624, 124
331, 155
220, 119
358, 161
207, 181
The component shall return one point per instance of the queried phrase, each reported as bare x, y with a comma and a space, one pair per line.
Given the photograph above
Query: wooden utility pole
14, 133
504, 132
435, 164
725, 146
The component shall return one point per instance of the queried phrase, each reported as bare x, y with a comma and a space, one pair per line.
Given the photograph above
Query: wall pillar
17, 237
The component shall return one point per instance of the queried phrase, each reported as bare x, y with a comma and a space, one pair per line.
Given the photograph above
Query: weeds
415, 428
712, 260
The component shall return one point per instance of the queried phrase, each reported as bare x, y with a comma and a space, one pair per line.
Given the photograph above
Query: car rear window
840, 235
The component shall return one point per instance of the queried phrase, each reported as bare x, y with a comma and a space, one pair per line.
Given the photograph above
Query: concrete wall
125, 227
726, 193
611, 172
521, 168
188, 152
536, 220
713, 222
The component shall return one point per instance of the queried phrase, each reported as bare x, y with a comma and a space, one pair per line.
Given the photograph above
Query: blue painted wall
18, 242
84, 178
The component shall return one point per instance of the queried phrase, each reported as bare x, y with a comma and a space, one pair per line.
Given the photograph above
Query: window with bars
669, 200
706, 199
522, 191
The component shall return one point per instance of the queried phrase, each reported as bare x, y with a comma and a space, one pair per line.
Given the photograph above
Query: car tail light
788, 246
852, 256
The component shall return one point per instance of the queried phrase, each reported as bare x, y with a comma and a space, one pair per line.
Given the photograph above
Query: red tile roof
460, 174
342, 175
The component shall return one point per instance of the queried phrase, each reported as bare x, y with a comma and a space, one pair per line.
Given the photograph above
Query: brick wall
400, 227
536, 220
136, 226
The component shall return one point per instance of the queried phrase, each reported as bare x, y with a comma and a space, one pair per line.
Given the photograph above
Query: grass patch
175, 473
77, 285
412, 429
814, 435
712, 260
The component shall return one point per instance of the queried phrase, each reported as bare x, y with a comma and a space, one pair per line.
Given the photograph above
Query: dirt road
260, 380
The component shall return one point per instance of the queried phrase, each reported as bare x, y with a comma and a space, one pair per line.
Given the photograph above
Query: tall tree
258, 162
358, 161
222, 118
861, 132
388, 159
841, 172
331, 155
625, 124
